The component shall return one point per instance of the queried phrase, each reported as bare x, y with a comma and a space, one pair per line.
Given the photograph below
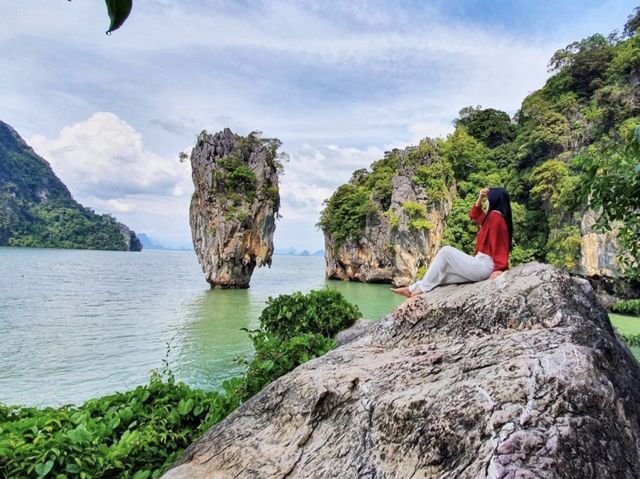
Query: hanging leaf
118, 10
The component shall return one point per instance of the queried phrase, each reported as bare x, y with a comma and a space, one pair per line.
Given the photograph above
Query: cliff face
597, 250
528, 380
400, 237
234, 205
37, 209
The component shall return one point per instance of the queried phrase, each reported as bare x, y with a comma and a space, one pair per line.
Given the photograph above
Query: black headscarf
499, 201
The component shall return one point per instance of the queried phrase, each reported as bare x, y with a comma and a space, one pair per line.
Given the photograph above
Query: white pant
453, 266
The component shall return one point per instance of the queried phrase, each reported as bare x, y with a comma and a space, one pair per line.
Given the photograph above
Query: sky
338, 82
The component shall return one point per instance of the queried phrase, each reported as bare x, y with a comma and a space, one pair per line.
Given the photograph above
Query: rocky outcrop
520, 377
130, 238
234, 205
597, 250
398, 241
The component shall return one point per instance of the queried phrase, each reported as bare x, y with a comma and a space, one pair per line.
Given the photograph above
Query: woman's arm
476, 213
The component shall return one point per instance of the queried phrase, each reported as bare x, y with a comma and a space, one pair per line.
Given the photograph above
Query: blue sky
338, 82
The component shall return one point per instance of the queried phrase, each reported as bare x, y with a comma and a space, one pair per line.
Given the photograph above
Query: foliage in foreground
325, 312
137, 434
140, 433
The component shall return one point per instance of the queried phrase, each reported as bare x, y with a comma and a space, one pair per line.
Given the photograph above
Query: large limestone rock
234, 205
597, 250
391, 249
520, 377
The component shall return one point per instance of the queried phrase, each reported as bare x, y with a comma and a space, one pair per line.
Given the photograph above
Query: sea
77, 324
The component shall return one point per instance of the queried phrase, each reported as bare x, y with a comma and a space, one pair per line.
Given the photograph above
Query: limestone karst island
303, 240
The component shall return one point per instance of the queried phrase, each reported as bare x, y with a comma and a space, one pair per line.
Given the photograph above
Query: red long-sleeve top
493, 237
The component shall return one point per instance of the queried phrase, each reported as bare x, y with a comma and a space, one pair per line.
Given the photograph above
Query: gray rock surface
388, 254
520, 377
232, 214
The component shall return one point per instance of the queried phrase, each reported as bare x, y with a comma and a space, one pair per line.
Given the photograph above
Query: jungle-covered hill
37, 210
569, 153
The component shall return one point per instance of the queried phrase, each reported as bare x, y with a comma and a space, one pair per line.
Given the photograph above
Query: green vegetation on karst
236, 185
573, 145
37, 210
140, 433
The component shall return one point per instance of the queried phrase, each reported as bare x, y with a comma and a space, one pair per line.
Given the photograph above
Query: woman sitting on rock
493, 244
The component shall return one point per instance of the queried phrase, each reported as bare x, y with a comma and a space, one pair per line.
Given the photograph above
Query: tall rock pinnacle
234, 205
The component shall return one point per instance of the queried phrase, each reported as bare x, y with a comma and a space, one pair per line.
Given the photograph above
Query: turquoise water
78, 324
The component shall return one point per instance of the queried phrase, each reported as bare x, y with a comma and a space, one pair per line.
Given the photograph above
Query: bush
138, 434
627, 306
324, 312
631, 339
275, 357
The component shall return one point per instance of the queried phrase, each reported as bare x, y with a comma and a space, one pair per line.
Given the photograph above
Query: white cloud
313, 174
104, 163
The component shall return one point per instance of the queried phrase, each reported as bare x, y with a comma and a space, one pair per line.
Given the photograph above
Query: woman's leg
451, 265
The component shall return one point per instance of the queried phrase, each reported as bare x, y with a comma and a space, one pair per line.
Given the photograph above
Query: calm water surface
78, 324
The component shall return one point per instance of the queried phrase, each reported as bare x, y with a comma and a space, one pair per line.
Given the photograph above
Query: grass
629, 325
625, 324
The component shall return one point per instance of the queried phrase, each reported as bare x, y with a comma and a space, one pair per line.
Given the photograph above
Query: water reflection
374, 300
207, 345
212, 337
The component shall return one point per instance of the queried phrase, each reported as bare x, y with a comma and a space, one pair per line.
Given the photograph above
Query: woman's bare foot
404, 291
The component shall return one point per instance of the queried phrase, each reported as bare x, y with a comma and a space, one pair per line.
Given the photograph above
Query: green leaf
118, 11
73, 468
44, 469
141, 475
114, 423
184, 407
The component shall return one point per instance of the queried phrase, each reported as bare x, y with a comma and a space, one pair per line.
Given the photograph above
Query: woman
493, 244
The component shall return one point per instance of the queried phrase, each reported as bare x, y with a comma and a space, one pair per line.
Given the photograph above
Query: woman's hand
495, 274
484, 192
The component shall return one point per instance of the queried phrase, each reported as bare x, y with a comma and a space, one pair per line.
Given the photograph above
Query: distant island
37, 209
291, 251
150, 244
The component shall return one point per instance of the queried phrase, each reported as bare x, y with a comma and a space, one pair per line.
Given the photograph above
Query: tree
586, 61
492, 127
611, 183
633, 23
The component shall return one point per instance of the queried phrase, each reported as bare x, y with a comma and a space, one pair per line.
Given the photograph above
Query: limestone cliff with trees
234, 205
568, 157
37, 209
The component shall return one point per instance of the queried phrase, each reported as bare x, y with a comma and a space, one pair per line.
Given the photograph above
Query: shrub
275, 357
627, 306
394, 220
324, 312
138, 434
564, 247
631, 339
